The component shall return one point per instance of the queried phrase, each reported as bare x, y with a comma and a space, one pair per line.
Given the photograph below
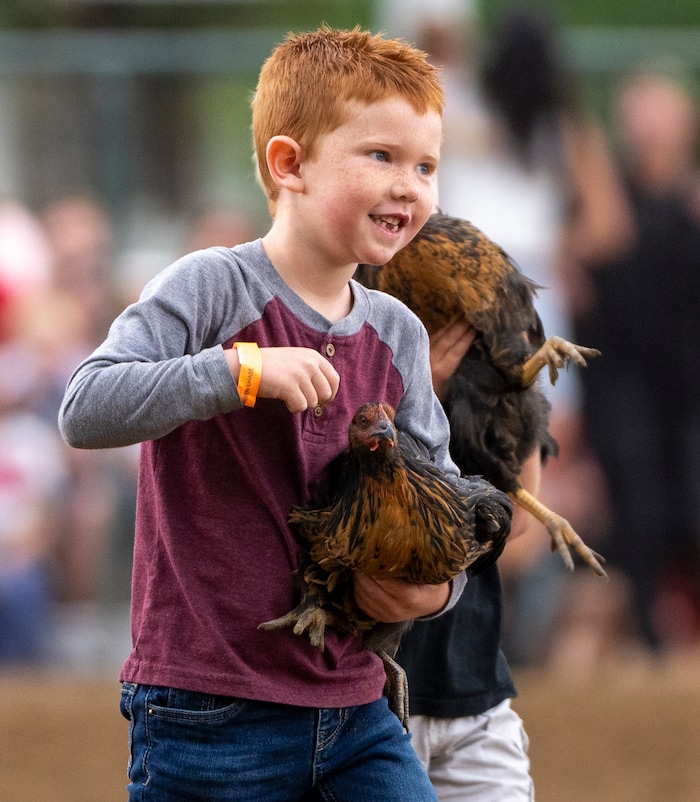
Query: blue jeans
188, 746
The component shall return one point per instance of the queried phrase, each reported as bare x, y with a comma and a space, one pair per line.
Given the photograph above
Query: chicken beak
384, 430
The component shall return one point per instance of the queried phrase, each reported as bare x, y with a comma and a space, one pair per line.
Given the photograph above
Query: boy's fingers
457, 333
331, 382
313, 392
301, 377
296, 402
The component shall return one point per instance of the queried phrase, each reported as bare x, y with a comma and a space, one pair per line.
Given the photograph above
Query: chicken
390, 514
497, 411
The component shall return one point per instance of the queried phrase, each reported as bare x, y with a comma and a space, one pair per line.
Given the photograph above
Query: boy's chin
380, 256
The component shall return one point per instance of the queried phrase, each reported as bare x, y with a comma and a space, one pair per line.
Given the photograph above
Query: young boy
239, 371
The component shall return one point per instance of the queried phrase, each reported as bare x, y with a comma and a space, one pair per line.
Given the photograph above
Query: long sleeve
162, 363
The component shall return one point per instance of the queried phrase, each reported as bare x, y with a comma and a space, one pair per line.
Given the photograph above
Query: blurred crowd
607, 220
66, 516
57, 504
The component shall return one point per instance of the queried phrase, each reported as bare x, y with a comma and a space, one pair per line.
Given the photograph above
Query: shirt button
330, 349
318, 411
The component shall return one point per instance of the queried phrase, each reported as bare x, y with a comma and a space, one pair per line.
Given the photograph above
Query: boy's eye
426, 169
380, 155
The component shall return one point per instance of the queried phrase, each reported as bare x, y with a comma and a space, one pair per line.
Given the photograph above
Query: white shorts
477, 758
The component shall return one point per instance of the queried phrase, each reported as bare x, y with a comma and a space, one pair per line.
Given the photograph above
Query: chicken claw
556, 353
564, 538
303, 618
396, 688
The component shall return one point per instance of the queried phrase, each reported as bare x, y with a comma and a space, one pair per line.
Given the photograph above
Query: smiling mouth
389, 223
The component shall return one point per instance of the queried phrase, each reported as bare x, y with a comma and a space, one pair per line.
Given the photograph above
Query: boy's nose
406, 185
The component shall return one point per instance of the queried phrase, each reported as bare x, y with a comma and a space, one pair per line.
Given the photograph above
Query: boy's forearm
394, 600
161, 365
111, 403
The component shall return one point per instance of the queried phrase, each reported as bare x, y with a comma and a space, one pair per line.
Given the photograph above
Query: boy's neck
323, 288
333, 309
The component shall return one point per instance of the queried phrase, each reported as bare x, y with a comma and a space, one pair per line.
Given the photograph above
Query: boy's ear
283, 156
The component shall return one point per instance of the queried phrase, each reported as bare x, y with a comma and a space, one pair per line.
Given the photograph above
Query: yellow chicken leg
556, 353
563, 536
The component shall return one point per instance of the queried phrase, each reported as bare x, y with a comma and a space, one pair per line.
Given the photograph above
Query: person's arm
394, 600
600, 226
163, 364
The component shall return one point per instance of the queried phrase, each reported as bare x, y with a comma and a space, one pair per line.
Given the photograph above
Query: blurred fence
128, 52
165, 112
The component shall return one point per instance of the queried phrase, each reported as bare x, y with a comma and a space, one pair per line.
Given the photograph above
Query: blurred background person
220, 223
33, 469
642, 400
33, 478
61, 532
81, 238
92, 553
533, 171
25, 263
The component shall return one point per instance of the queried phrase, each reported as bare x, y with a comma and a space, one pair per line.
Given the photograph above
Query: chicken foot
314, 613
396, 688
304, 617
556, 353
563, 535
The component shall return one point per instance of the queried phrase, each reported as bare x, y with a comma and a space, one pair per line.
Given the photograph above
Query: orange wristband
250, 359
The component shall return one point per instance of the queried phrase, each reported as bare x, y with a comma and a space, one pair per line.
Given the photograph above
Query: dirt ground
615, 739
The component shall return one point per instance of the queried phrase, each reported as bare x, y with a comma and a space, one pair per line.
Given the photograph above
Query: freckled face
370, 186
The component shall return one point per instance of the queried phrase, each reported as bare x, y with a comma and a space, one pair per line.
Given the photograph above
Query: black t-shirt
454, 663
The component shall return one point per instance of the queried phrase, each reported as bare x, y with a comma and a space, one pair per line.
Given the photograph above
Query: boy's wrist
250, 361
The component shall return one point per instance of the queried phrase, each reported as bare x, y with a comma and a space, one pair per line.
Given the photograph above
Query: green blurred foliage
37, 14
604, 12
301, 14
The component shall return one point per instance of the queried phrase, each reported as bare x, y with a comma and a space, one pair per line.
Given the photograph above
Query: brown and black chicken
498, 414
389, 513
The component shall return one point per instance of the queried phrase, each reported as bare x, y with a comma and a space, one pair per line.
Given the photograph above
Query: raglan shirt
213, 554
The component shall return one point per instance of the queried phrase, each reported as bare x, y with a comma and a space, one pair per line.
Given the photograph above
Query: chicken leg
396, 688
556, 353
562, 533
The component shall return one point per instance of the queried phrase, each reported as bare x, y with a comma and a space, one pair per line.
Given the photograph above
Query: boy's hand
394, 600
447, 347
300, 377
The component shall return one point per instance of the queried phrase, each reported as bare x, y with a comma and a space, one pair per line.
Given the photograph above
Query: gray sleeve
423, 416
161, 364
420, 412
457, 586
